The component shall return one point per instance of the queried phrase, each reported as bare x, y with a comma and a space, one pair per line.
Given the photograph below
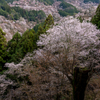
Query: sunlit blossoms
71, 36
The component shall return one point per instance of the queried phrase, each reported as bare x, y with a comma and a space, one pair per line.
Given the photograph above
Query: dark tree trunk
81, 77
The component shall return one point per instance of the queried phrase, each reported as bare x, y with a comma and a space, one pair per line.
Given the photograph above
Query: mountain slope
10, 27
41, 74
13, 13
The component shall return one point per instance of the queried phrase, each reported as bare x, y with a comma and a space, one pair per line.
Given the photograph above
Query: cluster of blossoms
72, 36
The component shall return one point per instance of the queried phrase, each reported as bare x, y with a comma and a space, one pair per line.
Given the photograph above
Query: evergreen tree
19, 45
28, 40
40, 30
96, 18
3, 52
13, 43
49, 22
13, 46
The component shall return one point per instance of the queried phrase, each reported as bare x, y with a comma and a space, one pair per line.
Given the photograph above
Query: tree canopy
19, 45
67, 9
3, 52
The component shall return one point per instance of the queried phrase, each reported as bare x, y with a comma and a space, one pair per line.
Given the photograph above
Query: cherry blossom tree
68, 47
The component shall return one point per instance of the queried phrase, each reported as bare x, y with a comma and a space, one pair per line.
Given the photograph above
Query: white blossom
70, 35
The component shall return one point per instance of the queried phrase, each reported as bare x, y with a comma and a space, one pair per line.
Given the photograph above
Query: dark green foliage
40, 30
14, 13
19, 45
11, 1
49, 22
60, 0
67, 9
95, 1
30, 15
2, 1
96, 18
29, 43
13, 43
65, 5
81, 20
13, 46
37, 26
63, 13
44, 26
3, 52
47, 2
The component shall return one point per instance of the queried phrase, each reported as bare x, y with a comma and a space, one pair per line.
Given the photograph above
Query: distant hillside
52, 1
94, 1
11, 0
67, 9
49, 2
14, 13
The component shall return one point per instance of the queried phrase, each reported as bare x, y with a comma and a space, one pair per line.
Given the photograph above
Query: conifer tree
13, 46
14, 43
40, 30
28, 41
49, 22
96, 18
17, 37
3, 52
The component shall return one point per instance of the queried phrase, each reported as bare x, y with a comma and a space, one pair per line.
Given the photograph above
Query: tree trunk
81, 77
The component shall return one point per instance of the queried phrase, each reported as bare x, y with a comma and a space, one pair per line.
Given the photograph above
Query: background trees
96, 1
96, 18
14, 13
19, 45
67, 9
48, 2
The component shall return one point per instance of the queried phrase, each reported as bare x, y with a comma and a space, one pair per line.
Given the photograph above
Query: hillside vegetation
11, 1
51, 61
14, 13
48, 2
94, 1
46, 71
19, 45
67, 9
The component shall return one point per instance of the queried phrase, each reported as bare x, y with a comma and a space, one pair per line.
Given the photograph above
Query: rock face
10, 27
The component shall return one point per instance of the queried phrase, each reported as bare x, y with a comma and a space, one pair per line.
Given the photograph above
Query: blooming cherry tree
68, 44
70, 36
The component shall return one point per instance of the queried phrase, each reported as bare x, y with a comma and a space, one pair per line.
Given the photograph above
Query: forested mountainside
50, 2
49, 50
94, 1
14, 13
35, 12
56, 50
